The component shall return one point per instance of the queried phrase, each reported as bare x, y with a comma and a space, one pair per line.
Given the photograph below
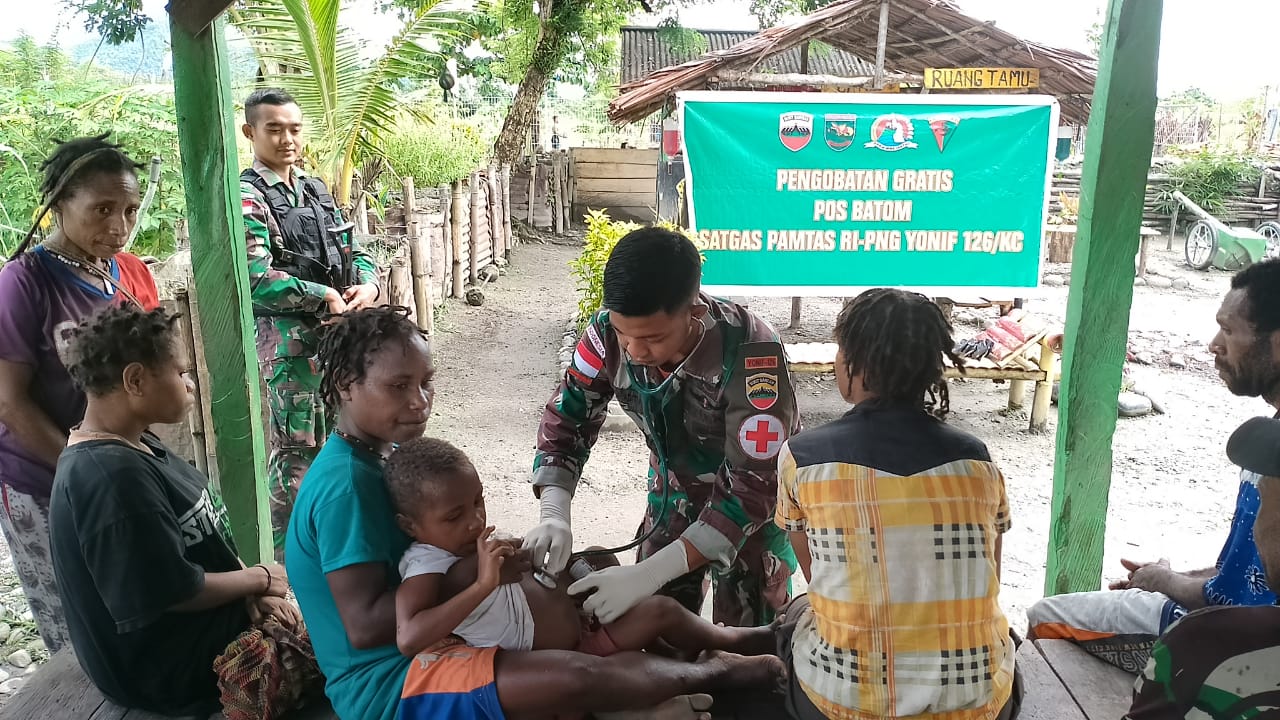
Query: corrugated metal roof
643, 52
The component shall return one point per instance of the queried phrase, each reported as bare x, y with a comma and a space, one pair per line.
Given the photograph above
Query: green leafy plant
588, 268
1207, 179
434, 154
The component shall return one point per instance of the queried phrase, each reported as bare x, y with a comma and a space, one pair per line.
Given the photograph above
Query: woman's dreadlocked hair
72, 163
896, 341
351, 339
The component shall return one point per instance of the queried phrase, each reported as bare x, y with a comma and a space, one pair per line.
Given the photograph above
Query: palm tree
349, 103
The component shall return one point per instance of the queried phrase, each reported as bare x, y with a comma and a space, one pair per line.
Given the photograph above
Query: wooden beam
202, 98
1112, 188
881, 40
196, 15
747, 79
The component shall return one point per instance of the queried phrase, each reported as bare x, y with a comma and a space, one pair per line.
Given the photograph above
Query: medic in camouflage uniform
723, 414
304, 265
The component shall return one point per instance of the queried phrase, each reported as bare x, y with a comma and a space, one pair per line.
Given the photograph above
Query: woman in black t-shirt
152, 588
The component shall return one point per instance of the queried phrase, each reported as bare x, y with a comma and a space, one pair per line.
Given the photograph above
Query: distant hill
148, 57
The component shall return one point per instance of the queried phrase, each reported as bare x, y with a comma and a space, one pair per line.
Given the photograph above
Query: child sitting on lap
457, 579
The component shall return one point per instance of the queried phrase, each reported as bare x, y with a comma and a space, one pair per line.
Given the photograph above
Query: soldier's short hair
104, 344
417, 471
274, 97
651, 270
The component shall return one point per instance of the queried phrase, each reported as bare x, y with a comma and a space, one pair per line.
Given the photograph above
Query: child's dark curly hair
104, 344
71, 164
418, 469
351, 339
896, 340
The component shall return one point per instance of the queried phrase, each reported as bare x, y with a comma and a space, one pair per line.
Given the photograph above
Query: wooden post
881, 41
795, 314
557, 184
533, 185
495, 213
1117, 156
1173, 225
1044, 390
506, 206
199, 440
361, 215
418, 259
203, 102
473, 275
458, 206
445, 193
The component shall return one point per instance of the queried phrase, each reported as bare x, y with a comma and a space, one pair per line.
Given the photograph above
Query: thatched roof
644, 51
922, 34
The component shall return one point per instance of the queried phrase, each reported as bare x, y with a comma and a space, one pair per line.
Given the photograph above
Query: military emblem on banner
944, 128
795, 129
892, 133
840, 130
762, 390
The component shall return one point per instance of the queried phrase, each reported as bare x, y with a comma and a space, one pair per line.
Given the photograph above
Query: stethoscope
650, 395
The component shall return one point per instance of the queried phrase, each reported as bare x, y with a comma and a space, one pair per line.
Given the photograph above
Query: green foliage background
44, 98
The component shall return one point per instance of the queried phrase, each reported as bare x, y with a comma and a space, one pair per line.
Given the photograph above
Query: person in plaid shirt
896, 520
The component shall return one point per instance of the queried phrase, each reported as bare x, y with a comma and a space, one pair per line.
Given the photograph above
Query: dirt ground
1172, 491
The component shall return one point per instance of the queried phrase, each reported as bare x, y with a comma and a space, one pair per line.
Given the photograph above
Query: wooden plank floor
1100, 690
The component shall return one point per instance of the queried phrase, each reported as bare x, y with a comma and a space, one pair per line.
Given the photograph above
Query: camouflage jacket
292, 333
722, 421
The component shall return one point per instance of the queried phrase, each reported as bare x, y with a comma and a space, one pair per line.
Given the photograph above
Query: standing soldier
304, 265
707, 383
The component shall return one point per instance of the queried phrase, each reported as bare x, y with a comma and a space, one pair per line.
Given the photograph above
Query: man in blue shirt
1121, 625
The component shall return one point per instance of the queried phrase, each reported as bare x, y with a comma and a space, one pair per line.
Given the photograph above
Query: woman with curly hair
162, 614
90, 188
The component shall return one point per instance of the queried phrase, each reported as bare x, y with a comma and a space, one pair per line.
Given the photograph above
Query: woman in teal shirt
343, 545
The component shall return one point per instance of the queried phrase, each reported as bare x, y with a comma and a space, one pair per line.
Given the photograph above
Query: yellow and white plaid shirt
902, 514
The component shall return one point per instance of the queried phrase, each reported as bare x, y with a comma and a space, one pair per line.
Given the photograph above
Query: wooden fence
622, 181
439, 240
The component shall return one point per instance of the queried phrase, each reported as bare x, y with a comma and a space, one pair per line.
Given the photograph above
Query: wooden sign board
981, 78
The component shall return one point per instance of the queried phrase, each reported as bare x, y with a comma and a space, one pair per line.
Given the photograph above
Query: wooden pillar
495, 213
458, 206
474, 272
445, 193
506, 206
882, 41
557, 200
419, 260
1117, 156
203, 103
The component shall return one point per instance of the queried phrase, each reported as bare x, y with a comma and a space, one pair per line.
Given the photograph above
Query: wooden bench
1062, 682
1018, 371
60, 691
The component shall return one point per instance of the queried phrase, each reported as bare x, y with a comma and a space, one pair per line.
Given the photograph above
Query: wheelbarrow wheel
1271, 231
1201, 245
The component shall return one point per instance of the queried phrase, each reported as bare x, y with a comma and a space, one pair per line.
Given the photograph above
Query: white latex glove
551, 540
618, 589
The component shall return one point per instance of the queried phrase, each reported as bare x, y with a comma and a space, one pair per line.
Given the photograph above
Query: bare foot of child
742, 671
680, 707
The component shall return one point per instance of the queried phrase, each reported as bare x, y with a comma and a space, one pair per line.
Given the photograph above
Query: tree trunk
547, 56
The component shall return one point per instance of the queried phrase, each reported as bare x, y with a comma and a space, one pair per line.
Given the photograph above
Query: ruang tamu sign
820, 194
981, 78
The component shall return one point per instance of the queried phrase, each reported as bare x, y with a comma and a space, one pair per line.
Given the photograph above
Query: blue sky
1226, 50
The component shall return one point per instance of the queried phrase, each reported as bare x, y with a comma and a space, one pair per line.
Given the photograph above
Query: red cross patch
761, 436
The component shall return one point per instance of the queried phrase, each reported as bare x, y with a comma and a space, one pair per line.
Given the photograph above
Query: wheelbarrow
1210, 242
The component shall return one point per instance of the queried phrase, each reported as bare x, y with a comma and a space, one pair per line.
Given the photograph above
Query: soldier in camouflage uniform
304, 265
707, 383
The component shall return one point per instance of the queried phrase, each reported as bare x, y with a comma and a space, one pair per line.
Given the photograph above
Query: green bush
588, 268
1208, 179
435, 154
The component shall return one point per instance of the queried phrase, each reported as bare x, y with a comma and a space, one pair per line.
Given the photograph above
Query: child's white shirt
502, 619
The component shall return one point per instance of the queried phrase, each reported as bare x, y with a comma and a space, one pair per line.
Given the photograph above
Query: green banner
817, 193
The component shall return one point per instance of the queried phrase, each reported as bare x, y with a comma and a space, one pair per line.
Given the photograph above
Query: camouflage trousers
750, 592
297, 426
